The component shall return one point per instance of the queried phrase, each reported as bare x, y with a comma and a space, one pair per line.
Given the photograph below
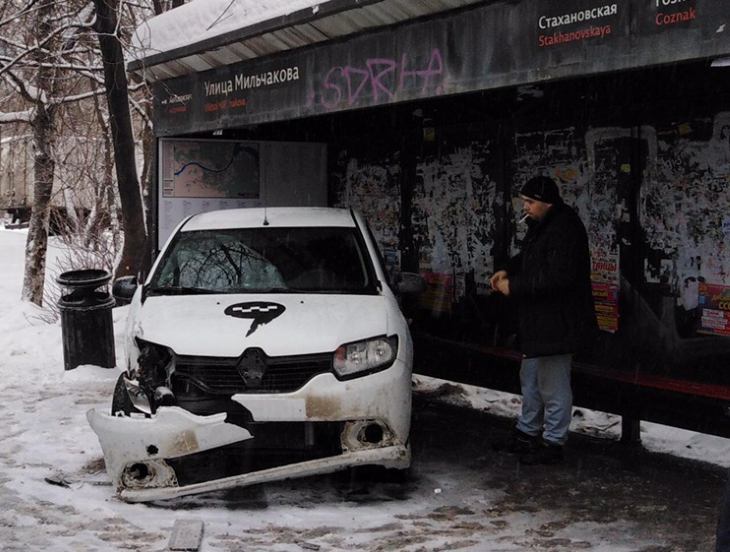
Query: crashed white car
265, 344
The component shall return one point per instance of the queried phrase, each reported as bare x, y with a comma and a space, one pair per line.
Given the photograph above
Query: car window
302, 259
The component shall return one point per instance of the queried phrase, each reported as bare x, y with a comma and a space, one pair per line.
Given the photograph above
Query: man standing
550, 283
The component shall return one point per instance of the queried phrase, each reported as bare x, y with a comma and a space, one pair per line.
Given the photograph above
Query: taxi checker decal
260, 311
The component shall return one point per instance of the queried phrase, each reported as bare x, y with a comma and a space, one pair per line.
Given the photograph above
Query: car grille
252, 372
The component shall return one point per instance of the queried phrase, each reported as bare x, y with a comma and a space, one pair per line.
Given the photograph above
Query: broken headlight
151, 379
371, 355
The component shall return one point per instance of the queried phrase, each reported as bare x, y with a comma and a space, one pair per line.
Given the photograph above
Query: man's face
534, 208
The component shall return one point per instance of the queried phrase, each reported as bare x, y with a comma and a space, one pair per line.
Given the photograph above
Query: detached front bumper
136, 451
141, 453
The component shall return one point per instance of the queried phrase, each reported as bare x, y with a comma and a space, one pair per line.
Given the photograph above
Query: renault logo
252, 367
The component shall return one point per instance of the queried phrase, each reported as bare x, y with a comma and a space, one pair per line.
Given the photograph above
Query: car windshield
301, 259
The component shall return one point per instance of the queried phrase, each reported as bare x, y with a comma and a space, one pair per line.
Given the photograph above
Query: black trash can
86, 319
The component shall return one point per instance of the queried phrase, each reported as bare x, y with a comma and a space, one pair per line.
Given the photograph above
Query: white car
265, 344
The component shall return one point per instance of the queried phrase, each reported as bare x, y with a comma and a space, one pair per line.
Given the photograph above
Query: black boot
544, 453
519, 442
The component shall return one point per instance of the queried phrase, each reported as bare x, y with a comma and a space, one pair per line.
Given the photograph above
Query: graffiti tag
381, 79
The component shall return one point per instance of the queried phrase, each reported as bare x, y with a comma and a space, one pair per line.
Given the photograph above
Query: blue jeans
547, 399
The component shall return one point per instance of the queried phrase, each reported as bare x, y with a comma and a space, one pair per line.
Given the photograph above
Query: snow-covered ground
47, 438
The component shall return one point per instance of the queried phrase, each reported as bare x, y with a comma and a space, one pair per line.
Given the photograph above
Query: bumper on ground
374, 414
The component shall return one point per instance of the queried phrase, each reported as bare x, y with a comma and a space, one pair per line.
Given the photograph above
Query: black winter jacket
550, 279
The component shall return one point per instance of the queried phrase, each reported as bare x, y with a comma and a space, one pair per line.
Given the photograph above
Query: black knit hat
541, 188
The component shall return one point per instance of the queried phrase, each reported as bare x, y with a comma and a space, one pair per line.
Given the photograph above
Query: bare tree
134, 254
51, 57
34, 78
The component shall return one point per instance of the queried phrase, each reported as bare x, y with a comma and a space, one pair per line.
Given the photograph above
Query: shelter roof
207, 34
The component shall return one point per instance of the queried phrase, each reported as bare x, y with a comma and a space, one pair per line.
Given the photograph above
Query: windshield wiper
290, 290
179, 290
273, 289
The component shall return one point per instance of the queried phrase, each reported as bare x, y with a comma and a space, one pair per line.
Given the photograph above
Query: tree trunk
37, 242
135, 257
36, 245
104, 212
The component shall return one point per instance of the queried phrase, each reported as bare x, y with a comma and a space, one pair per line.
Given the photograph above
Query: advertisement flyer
439, 295
714, 308
605, 279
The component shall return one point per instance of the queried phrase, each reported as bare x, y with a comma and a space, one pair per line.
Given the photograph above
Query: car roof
257, 217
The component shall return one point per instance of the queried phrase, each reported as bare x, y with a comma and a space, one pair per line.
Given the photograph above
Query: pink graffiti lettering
381, 79
435, 69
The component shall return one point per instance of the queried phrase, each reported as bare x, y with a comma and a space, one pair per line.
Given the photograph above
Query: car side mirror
123, 289
410, 283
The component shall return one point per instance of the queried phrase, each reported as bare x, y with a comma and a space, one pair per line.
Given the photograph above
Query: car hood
280, 324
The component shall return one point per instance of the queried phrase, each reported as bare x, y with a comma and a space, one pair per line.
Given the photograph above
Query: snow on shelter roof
205, 34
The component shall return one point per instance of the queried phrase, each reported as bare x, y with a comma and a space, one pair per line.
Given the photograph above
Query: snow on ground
47, 437
654, 437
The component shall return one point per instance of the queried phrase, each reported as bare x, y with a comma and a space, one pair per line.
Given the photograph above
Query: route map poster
197, 176
213, 169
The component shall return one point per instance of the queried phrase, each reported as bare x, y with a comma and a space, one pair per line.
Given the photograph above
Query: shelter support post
630, 429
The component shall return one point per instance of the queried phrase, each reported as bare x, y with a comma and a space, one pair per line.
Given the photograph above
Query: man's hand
500, 282
497, 276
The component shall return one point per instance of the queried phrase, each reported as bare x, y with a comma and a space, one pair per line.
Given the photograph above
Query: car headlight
151, 372
365, 356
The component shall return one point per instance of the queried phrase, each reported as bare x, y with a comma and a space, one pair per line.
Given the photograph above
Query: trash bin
86, 319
